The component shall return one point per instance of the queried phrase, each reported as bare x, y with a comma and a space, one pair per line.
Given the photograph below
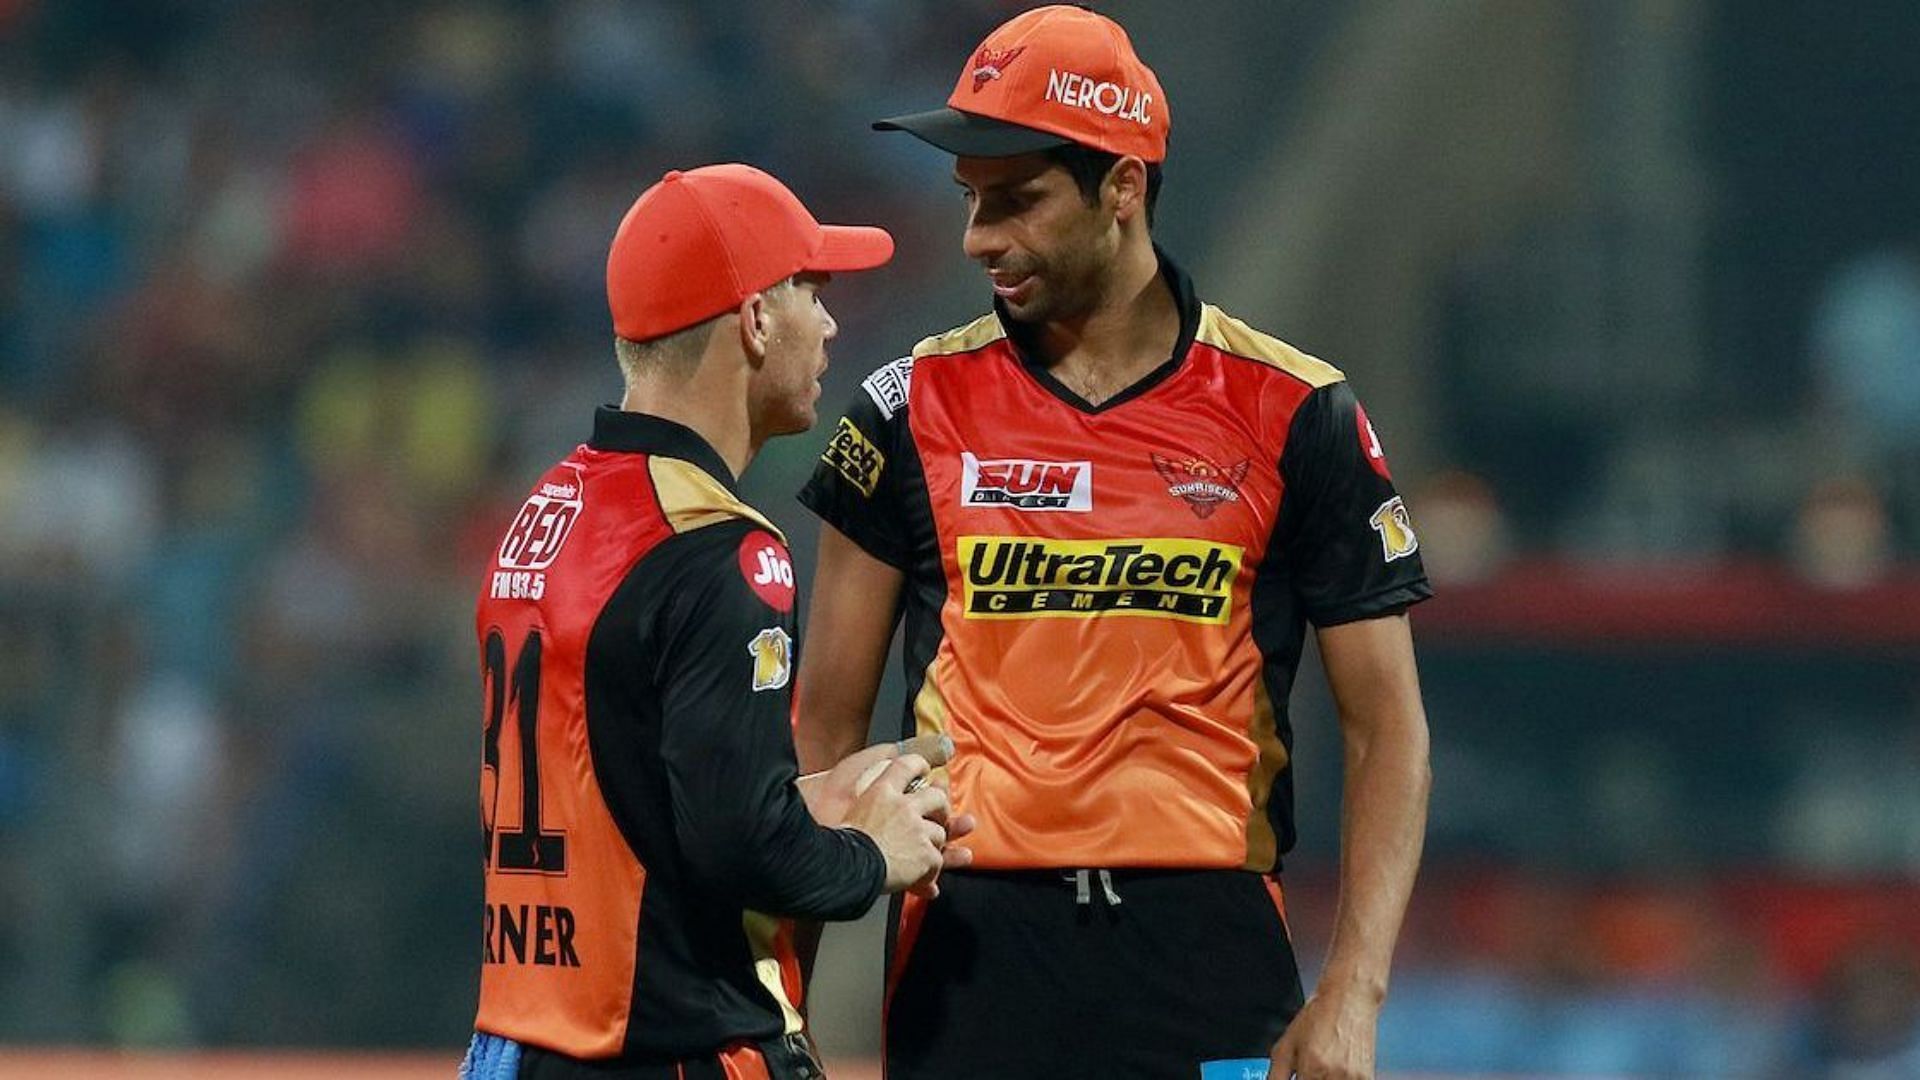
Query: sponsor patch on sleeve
854, 457
768, 569
1370, 443
1395, 527
772, 652
888, 386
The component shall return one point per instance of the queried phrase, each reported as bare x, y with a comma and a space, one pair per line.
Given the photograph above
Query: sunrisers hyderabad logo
1022, 577
1201, 484
990, 64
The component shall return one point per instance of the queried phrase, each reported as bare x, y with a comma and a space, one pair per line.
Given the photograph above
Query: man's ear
1126, 187
755, 327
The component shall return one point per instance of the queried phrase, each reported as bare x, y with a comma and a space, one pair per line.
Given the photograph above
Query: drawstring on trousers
1083, 886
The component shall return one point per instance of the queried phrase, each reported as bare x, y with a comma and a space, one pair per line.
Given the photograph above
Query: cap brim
851, 247
970, 135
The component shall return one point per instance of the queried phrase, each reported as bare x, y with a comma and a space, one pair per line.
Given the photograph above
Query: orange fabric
789, 957
699, 242
1117, 737
1279, 898
1071, 72
587, 910
744, 1063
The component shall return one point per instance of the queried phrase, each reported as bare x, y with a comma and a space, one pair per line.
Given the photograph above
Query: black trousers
1055, 974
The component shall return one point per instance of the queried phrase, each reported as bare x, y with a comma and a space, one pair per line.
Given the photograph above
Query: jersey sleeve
725, 667
855, 486
1347, 537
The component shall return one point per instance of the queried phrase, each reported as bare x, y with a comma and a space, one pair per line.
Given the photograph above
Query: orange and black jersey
643, 831
1105, 605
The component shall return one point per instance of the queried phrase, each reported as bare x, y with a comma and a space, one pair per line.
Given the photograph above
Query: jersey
1105, 605
641, 824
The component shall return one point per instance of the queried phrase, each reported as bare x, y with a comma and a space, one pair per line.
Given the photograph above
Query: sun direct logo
1022, 484
1018, 577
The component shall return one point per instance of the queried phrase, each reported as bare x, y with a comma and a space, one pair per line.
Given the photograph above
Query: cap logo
988, 65
1109, 99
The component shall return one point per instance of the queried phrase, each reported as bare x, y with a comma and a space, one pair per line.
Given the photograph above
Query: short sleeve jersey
643, 833
1105, 605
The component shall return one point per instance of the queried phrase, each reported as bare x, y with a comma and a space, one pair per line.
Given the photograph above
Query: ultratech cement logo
1017, 577
1026, 485
855, 458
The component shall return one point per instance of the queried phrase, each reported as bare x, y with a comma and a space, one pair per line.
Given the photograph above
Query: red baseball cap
1045, 78
697, 243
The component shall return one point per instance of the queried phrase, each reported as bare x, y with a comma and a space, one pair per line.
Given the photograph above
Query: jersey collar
1022, 337
623, 432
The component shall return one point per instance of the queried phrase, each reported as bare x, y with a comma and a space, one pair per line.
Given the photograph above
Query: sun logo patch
772, 652
1395, 527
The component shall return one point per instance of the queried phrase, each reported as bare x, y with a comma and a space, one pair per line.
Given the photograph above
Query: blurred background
296, 300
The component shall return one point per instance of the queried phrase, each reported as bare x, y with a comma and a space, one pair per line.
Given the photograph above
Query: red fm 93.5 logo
541, 527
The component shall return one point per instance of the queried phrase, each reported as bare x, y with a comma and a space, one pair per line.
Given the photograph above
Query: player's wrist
1352, 988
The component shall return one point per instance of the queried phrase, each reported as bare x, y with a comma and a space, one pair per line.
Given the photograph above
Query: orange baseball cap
697, 243
1045, 78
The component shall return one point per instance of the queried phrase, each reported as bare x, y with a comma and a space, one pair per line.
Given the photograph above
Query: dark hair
1089, 168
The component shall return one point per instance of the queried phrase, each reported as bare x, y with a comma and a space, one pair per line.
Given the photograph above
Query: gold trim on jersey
762, 933
1228, 334
692, 498
1262, 846
979, 333
930, 705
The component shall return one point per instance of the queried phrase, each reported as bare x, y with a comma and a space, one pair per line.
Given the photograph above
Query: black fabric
894, 524
1024, 338
1010, 977
625, 432
972, 135
697, 769
1336, 562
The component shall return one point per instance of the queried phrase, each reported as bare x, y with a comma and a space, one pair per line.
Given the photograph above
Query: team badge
1201, 484
772, 652
990, 64
1395, 527
768, 570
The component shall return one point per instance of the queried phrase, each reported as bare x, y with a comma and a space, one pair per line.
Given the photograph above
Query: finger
931, 803
959, 825
955, 857
872, 772
904, 770
935, 833
937, 749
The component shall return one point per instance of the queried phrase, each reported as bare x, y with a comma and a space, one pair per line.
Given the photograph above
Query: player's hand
1331, 1039
902, 813
953, 857
830, 794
